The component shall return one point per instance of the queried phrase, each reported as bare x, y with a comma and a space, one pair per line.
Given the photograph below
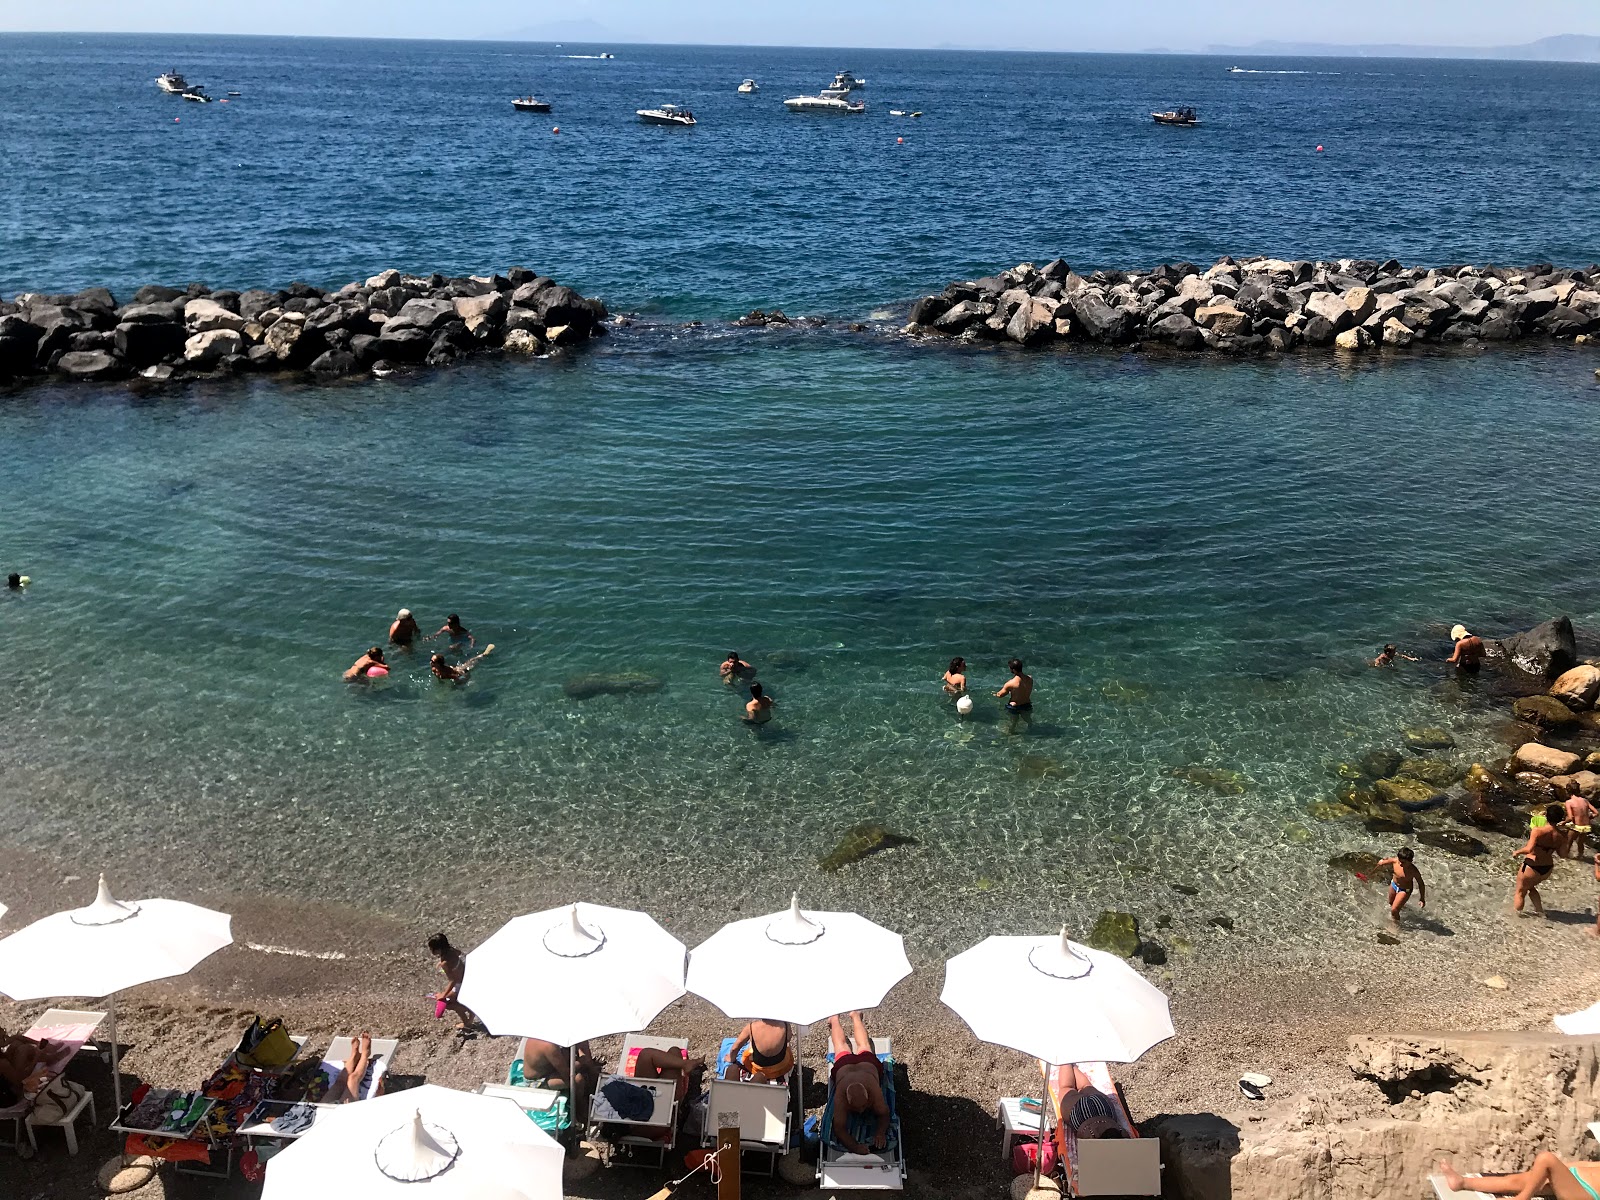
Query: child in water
1406, 879
1388, 654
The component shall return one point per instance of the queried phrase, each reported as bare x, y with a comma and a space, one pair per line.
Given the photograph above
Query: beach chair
1125, 1166
879, 1171
658, 1132
759, 1110
70, 1029
339, 1051
549, 1108
1445, 1192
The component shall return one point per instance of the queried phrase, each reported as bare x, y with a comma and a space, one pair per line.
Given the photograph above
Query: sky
1010, 24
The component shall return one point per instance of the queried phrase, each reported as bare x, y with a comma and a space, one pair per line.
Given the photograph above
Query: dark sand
1236, 1008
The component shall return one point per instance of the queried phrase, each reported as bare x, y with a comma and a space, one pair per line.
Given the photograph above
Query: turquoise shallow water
1194, 560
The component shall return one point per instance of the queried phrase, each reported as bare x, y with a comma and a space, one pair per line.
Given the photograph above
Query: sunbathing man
372, 658
761, 1051
346, 1087
1538, 858
1548, 1176
857, 1084
547, 1065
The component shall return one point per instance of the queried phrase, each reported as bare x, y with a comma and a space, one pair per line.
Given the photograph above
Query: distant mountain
560, 31
1566, 47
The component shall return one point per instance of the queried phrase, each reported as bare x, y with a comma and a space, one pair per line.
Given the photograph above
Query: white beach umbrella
798, 966
1055, 1000
429, 1141
1577, 1024
574, 973
106, 947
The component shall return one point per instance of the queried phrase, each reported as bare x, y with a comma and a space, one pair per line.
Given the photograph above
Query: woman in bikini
955, 678
1548, 1176
761, 1051
1539, 858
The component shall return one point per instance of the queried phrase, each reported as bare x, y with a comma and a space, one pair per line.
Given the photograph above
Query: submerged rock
1408, 791
585, 687
1115, 933
1436, 771
1429, 737
1380, 764
1356, 862
1216, 779
1453, 842
1544, 711
861, 840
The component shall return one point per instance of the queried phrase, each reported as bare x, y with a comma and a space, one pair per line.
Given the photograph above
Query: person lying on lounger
1090, 1112
346, 1087
1548, 1176
547, 1065
22, 1069
761, 1051
675, 1065
857, 1084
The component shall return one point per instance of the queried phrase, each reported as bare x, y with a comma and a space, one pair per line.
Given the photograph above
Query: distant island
1566, 47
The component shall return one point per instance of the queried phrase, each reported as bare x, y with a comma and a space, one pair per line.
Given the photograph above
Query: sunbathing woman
346, 1087
1539, 857
1090, 1112
1548, 1176
766, 1054
22, 1069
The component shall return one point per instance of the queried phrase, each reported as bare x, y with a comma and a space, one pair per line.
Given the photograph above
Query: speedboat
667, 114
843, 84
1237, 71
1175, 116
197, 94
825, 104
748, 86
606, 54
529, 104
171, 81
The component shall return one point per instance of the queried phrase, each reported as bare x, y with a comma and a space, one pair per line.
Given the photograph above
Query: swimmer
1018, 690
1538, 858
759, 710
456, 631
405, 629
457, 673
1580, 819
955, 677
372, 658
734, 668
1406, 880
1468, 654
14, 582
1388, 654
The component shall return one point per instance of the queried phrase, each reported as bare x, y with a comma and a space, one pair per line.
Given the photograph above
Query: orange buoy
1319, 149
557, 129
899, 141
175, 120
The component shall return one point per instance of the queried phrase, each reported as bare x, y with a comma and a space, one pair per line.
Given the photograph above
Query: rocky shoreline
385, 324
1267, 305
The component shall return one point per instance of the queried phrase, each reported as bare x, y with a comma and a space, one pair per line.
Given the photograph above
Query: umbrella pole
1044, 1102
116, 1073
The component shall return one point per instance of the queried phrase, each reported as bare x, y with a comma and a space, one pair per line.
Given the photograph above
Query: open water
1194, 558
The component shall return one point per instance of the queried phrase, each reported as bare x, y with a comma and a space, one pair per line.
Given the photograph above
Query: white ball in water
964, 705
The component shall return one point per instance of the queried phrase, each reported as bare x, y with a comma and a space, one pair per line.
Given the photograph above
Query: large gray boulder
1098, 320
958, 318
1547, 649
292, 344
156, 293
143, 344
90, 365
204, 314
256, 301
1177, 330
1332, 309
211, 347
403, 344
1032, 322
487, 307
335, 363
425, 315
160, 312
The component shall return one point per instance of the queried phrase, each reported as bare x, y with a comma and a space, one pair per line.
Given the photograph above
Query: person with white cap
1468, 655
404, 631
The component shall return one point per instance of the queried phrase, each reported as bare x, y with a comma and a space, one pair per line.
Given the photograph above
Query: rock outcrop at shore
1267, 305
387, 323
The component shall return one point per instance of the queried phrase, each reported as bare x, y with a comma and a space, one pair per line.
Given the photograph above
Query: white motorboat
843, 84
197, 94
748, 86
529, 104
667, 114
171, 81
824, 104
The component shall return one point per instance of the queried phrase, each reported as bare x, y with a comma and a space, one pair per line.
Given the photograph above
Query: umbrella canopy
108, 946
429, 1141
574, 973
1056, 1000
1579, 1023
797, 966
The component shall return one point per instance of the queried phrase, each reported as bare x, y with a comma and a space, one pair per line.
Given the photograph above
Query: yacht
824, 103
171, 81
748, 86
667, 114
843, 84
529, 104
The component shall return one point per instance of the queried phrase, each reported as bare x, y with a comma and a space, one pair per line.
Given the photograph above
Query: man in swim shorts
405, 630
1406, 879
1538, 858
1018, 690
761, 1052
372, 658
1580, 819
857, 1084
1468, 654
759, 710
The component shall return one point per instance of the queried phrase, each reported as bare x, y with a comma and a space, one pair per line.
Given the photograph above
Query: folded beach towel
629, 1101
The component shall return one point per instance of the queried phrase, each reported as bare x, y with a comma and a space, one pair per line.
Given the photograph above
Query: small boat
606, 54
171, 81
843, 84
529, 104
900, 112
1237, 71
748, 86
667, 114
1175, 116
197, 94
235, 93
824, 104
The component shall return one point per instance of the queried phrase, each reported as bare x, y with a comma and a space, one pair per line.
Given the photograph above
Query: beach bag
266, 1044
1025, 1158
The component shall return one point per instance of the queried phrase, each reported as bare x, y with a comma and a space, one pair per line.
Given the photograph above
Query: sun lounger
657, 1132
1125, 1166
760, 1111
339, 1052
880, 1170
1445, 1192
70, 1029
549, 1108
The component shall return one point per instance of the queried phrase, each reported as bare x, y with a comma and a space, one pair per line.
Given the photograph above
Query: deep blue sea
1195, 558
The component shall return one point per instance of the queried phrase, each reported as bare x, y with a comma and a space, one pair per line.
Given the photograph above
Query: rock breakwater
1267, 305
388, 323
